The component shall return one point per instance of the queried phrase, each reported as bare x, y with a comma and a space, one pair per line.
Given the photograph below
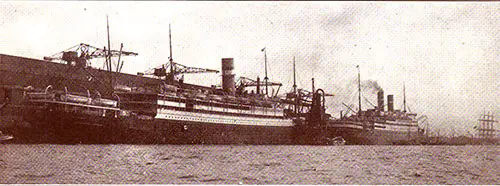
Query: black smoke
371, 85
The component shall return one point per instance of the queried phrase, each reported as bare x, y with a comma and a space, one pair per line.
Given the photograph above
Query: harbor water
242, 164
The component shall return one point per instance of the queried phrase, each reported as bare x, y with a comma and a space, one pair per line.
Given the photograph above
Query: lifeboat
76, 99
122, 88
45, 96
105, 102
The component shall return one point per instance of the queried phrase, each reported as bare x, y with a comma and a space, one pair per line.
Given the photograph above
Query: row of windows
175, 102
219, 112
257, 111
214, 103
212, 120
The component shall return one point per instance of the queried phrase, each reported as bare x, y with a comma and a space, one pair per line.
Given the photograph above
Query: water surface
204, 164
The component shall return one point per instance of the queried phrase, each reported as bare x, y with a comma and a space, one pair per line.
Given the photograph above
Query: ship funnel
258, 85
228, 76
380, 101
390, 103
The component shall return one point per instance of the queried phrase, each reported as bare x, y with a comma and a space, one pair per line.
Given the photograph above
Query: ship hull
378, 137
359, 134
181, 132
167, 132
49, 122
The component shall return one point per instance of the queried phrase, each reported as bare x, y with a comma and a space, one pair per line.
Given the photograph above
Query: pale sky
446, 53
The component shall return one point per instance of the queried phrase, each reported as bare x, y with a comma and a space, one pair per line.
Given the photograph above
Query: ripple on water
249, 164
213, 180
187, 177
34, 175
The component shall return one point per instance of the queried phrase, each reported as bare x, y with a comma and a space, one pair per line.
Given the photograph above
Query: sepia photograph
250, 92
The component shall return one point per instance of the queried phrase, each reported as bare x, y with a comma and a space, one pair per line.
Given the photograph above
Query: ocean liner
73, 102
378, 126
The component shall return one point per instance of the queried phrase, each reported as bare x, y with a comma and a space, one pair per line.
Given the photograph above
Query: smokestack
390, 103
380, 100
258, 85
228, 76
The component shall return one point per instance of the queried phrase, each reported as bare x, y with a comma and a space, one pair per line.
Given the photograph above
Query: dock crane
164, 70
171, 69
81, 55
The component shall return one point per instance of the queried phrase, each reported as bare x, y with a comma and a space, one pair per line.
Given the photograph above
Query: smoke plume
371, 85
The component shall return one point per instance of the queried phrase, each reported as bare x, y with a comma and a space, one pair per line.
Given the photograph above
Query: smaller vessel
5, 137
379, 126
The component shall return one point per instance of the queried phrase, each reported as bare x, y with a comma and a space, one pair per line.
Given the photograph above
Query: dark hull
16, 73
379, 138
210, 133
357, 136
48, 124
173, 133
65, 123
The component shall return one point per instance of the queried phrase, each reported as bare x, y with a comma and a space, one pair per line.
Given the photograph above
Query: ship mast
359, 89
294, 80
171, 59
404, 98
265, 65
312, 79
295, 87
108, 58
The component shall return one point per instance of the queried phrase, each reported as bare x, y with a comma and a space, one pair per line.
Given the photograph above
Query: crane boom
176, 70
182, 69
247, 82
83, 53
